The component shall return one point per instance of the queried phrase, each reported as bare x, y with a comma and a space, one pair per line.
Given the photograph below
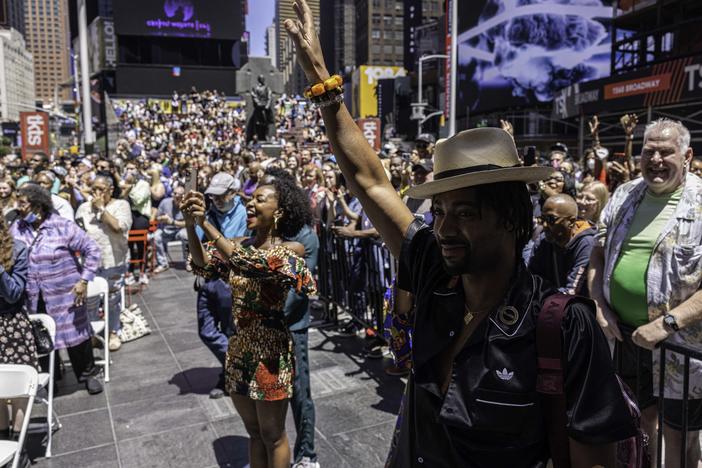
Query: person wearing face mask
214, 296
56, 283
562, 251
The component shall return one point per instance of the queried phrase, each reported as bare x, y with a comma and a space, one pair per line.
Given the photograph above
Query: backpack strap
549, 379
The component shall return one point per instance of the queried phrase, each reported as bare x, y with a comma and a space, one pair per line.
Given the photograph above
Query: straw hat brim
508, 174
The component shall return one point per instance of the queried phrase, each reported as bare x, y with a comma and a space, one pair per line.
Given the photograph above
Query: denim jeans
162, 238
301, 402
115, 281
214, 316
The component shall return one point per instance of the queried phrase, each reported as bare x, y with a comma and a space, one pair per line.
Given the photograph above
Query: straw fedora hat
477, 156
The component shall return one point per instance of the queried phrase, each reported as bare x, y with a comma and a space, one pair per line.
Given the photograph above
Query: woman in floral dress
261, 270
16, 338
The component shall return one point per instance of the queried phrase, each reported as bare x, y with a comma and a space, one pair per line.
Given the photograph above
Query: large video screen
213, 19
514, 53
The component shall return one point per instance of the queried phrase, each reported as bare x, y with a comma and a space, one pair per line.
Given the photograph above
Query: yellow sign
365, 82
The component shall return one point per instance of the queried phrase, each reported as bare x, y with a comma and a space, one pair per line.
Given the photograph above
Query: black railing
353, 277
663, 348
687, 353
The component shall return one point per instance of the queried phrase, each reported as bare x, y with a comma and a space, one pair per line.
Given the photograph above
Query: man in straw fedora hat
471, 398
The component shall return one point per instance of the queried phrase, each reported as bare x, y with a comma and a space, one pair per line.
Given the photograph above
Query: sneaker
306, 462
378, 352
351, 329
216, 393
143, 279
93, 385
218, 390
129, 280
396, 371
160, 269
114, 343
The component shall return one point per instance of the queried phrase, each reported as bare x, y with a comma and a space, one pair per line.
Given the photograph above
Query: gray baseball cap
222, 183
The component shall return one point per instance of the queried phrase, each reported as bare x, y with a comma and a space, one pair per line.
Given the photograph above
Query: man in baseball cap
424, 144
214, 297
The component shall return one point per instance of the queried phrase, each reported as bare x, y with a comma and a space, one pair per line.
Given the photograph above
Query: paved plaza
155, 411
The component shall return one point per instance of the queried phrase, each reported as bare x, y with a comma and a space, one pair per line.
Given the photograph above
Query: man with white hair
645, 274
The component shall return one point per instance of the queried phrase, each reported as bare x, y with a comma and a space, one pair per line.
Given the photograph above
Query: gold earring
275, 223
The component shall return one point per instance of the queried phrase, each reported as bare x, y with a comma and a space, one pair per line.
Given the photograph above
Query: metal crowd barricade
687, 353
353, 276
664, 347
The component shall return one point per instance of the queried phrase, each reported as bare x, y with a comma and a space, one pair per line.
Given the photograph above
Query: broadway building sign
671, 82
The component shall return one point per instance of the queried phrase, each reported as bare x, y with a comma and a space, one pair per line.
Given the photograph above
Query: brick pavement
155, 412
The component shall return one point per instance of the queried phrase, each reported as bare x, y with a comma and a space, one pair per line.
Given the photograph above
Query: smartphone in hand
191, 183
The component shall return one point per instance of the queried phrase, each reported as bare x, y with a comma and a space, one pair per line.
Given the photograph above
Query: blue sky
261, 14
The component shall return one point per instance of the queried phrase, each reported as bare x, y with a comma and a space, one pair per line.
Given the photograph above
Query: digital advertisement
213, 19
515, 53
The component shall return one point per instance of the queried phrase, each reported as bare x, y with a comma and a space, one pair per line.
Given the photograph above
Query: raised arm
360, 165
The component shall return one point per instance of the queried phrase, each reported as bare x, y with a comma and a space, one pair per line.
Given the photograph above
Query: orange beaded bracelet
319, 89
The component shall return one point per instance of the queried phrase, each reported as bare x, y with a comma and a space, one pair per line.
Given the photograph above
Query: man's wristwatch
670, 324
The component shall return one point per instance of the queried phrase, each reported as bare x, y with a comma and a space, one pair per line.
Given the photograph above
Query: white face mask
591, 164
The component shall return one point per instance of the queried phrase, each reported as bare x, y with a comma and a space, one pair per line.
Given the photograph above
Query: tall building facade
272, 44
47, 35
16, 75
338, 34
12, 15
293, 77
380, 32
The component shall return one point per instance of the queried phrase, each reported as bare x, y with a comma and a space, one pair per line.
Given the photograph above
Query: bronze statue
262, 115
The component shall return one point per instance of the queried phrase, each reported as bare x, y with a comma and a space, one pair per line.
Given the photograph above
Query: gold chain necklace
469, 316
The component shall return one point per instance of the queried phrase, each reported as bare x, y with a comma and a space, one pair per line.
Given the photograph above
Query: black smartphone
529, 155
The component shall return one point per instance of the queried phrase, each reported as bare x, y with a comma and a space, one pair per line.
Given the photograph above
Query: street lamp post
418, 108
88, 135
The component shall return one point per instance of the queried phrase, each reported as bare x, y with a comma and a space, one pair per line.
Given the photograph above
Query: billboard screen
213, 19
365, 81
514, 53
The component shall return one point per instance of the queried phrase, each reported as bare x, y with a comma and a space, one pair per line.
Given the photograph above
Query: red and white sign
371, 131
645, 85
35, 133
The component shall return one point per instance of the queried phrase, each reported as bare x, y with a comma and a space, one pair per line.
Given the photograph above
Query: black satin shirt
491, 415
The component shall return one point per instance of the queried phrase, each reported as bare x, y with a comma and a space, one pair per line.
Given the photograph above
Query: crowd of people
482, 234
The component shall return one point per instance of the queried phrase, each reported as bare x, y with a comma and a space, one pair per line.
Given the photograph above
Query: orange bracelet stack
329, 92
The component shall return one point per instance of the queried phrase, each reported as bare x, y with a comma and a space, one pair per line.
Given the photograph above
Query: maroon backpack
632, 452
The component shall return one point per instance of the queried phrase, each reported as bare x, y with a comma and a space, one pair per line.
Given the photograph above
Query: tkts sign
664, 83
371, 131
34, 127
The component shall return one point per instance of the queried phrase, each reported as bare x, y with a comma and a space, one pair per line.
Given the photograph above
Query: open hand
619, 171
629, 122
507, 126
307, 46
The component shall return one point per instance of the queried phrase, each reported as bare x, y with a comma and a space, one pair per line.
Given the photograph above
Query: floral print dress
16, 337
260, 360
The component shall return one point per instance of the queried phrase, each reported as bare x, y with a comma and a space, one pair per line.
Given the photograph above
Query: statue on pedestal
262, 116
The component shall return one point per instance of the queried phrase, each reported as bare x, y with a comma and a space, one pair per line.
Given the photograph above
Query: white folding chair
46, 379
99, 287
17, 381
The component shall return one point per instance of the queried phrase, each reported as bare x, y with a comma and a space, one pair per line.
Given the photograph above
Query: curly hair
37, 197
291, 200
7, 250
